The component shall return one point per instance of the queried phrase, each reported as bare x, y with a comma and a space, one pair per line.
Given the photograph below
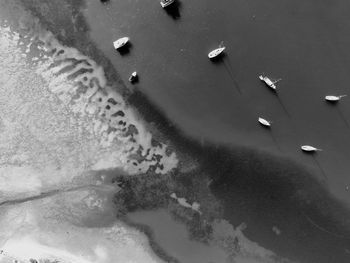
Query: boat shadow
125, 50
174, 10
219, 59
267, 128
135, 80
332, 103
273, 92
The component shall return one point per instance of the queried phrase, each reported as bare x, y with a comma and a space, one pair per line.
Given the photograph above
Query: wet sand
173, 237
265, 191
255, 186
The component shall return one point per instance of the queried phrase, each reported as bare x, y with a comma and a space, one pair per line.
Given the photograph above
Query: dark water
265, 193
303, 42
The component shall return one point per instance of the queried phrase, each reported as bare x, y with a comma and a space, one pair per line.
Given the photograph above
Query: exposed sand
62, 124
57, 130
70, 227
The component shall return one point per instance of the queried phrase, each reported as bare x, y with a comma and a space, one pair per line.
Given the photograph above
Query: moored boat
133, 77
165, 3
270, 83
309, 148
333, 98
264, 122
216, 52
121, 42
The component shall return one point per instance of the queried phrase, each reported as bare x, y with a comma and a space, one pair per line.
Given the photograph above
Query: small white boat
269, 82
216, 52
264, 122
165, 3
308, 148
333, 98
133, 77
121, 42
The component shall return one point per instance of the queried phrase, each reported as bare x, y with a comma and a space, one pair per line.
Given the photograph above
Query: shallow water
269, 194
305, 44
203, 100
56, 201
173, 237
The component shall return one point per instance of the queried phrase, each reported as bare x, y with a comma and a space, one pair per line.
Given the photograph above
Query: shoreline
209, 153
149, 232
157, 249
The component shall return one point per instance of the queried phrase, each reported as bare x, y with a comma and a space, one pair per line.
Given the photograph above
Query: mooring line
343, 117
320, 167
275, 141
283, 107
323, 229
230, 73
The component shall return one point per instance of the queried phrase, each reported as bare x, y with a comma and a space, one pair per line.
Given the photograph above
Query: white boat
333, 98
216, 52
165, 3
308, 148
269, 82
133, 77
121, 42
264, 122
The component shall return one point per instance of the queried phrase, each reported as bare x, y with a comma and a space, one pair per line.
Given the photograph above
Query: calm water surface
173, 237
306, 43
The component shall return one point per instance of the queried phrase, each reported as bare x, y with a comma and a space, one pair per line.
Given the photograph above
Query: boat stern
165, 3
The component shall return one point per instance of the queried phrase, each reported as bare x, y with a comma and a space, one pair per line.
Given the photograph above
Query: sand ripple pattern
88, 95
79, 99
56, 133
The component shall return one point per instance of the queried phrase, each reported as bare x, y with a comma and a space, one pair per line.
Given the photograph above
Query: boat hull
121, 42
216, 52
264, 122
268, 82
332, 98
133, 78
165, 4
308, 148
